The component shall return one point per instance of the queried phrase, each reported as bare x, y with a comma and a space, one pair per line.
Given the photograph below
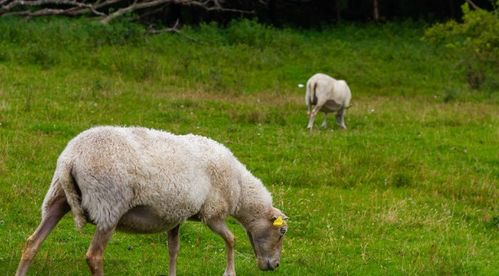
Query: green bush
474, 42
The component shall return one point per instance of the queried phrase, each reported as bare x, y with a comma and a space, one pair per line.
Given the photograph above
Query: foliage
475, 42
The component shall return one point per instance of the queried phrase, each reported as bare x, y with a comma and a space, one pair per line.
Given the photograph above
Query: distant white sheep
327, 94
144, 181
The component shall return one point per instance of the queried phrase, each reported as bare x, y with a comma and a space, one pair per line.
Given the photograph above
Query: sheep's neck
255, 201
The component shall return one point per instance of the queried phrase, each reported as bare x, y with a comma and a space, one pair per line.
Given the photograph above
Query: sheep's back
117, 169
342, 92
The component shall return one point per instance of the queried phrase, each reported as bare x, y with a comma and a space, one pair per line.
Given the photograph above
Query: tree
375, 10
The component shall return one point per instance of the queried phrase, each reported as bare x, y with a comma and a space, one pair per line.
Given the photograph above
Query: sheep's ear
278, 218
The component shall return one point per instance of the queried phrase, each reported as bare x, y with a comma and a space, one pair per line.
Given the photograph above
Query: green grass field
410, 188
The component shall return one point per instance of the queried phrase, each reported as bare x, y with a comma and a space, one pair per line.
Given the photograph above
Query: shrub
475, 41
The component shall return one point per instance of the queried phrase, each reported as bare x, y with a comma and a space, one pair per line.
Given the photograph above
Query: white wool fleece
176, 176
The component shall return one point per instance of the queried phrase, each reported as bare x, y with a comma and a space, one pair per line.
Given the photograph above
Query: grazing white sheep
327, 94
144, 181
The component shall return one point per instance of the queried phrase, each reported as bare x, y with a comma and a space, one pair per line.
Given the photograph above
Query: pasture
410, 188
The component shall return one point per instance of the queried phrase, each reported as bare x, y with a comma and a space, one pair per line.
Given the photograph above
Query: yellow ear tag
278, 222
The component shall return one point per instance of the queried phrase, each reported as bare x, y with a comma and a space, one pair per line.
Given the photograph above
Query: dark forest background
312, 13
295, 13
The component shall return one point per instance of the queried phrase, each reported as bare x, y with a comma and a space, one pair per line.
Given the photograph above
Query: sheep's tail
64, 184
312, 87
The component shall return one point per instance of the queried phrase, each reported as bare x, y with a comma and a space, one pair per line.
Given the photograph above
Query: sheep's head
266, 235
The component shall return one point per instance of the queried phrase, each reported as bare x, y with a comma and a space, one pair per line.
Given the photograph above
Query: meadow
410, 188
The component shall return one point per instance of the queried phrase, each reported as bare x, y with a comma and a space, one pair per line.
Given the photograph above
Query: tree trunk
375, 10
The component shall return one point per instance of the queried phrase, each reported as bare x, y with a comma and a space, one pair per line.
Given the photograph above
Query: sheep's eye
283, 230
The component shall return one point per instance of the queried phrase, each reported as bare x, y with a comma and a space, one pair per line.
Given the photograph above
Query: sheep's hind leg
340, 118
218, 226
53, 215
173, 247
95, 252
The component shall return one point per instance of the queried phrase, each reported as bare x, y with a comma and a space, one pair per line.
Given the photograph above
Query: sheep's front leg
218, 226
53, 215
312, 115
95, 253
173, 247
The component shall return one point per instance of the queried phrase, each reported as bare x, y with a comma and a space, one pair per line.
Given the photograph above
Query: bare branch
99, 5
174, 29
132, 7
41, 2
205, 5
78, 7
96, 6
81, 10
475, 6
47, 11
39, 12
2, 2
